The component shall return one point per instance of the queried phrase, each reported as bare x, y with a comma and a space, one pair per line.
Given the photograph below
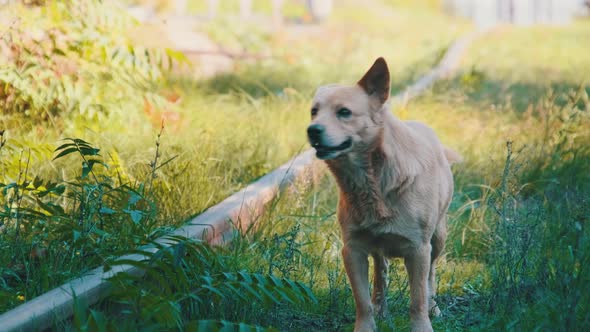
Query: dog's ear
376, 80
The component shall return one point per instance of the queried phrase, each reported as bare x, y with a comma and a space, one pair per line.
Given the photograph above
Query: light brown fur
395, 187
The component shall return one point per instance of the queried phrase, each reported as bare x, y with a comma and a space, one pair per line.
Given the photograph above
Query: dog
395, 185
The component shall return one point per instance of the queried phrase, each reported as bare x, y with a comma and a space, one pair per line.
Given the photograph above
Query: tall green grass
518, 250
88, 80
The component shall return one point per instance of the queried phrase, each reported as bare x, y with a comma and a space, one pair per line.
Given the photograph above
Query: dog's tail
452, 156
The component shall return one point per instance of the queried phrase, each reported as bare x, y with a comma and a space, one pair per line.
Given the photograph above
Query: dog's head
349, 118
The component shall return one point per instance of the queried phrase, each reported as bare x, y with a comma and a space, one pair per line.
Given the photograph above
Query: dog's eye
314, 111
344, 112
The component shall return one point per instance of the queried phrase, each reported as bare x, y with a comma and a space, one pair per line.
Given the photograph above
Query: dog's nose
315, 131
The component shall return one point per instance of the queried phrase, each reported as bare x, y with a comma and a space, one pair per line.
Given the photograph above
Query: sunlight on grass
518, 240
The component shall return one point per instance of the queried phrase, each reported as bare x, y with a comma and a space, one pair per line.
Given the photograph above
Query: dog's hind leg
438, 245
380, 265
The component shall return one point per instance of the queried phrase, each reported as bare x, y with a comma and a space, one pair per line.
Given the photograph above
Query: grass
518, 250
515, 79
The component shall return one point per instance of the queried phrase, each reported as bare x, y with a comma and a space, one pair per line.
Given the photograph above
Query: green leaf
37, 182
106, 210
97, 322
59, 189
176, 55
8, 186
92, 162
86, 169
222, 326
86, 151
66, 145
166, 162
135, 215
134, 198
214, 291
80, 314
100, 232
80, 142
53, 209
59, 52
65, 152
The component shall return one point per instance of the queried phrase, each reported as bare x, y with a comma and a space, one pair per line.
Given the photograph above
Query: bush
67, 226
55, 63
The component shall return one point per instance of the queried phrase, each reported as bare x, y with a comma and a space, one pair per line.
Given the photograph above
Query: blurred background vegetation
121, 120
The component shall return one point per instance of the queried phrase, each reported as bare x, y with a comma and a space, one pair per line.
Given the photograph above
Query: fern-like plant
186, 283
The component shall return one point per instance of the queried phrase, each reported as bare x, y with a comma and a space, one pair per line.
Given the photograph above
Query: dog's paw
435, 311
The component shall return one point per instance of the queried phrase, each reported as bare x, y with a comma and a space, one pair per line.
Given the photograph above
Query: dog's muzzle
315, 133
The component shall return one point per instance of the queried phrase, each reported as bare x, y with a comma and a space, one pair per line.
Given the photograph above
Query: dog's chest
386, 244
391, 232
374, 216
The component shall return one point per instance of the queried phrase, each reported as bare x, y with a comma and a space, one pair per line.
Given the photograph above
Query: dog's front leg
357, 268
418, 266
